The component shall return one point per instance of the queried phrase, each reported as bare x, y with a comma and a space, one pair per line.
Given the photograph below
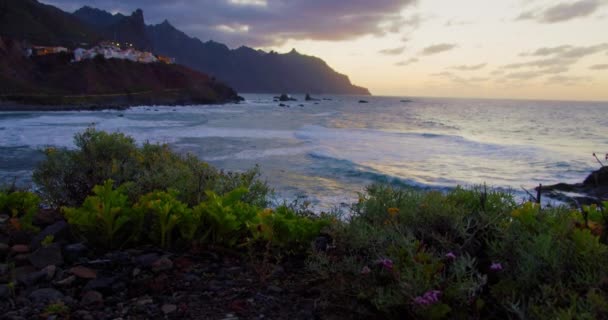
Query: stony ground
65, 279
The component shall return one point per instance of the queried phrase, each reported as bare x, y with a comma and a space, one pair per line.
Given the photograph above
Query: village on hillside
107, 49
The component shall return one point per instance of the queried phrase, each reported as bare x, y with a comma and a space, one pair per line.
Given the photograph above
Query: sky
514, 49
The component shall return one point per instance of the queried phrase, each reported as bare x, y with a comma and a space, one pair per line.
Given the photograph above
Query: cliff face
54, 80
245, 69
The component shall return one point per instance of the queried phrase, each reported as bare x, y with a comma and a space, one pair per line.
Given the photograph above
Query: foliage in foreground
21, 207
469, 254
66, 177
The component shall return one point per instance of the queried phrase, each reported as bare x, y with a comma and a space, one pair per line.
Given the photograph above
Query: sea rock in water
594, 190
363, 101
285, 97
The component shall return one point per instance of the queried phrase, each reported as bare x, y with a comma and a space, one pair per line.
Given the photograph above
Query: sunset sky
545, 49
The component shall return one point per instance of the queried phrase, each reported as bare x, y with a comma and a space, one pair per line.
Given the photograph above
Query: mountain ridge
246, 69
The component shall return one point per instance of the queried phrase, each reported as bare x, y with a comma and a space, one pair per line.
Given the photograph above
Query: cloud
393, 51
470, 67
563, 11
266, 22
437, 48
406, 62
599, 67
567, 80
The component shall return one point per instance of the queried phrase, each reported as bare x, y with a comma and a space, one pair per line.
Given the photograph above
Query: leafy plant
166, 213
104, 218
22, 206
227, 217
283, 228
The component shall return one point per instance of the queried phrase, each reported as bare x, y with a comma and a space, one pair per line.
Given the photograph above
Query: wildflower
386, 263
496, 266
366, 270
393, 212
428, 298
450, 255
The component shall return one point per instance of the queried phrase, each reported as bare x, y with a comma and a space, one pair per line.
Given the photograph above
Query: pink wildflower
366, 270
428, 298
496, 266
450, 255
386, 263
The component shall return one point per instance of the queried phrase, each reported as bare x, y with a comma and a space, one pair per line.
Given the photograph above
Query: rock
597, 178
49, 271
46, 256
363, 101
3, 269
285, 97
5, 292
20, 248
162, 264
4, 218
46, 217
309, 98
144, 301
406, 101
45, 295
147, 260
66, 282
92, 298
59, 231
282, 105
168, 308
275, 289
32, 278
74, 252
101, 284
83, 272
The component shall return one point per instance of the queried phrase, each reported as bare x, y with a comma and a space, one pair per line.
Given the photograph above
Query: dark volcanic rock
59, 231
74, 252
597, 178
46, 256
45, 295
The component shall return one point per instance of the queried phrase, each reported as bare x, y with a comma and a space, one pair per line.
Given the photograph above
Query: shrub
66, 177
468, 253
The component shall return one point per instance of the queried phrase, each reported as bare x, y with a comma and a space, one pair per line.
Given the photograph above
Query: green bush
20, 205
468, 254
66, 177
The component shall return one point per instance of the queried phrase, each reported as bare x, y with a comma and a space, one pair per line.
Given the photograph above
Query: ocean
327, 151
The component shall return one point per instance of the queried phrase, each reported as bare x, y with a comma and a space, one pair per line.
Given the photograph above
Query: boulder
74, 252
92, 298
363, 101
58, 230
83, 272
285, 97
45, 295
20, 249
309, 98
46, 256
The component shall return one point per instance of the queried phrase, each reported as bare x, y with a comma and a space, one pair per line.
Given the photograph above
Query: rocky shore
593, 190
49, 275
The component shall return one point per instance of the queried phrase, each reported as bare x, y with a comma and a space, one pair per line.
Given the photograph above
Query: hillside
55, 81
43, 24
245, 69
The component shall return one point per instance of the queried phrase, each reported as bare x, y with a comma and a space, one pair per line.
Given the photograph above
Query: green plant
20, 205
48, 240
104, 218
166, 213
227, 217
56, 309
283, 228
66, 177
